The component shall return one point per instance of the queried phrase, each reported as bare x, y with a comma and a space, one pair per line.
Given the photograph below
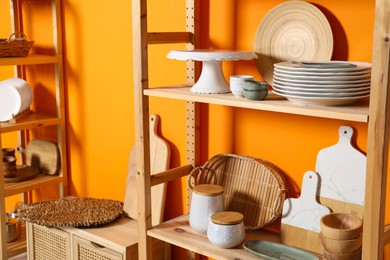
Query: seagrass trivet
72, 212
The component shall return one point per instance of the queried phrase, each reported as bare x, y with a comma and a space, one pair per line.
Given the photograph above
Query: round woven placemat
292, 31
72, 212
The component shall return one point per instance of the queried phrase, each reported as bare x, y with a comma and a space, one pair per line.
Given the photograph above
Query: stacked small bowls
255, 90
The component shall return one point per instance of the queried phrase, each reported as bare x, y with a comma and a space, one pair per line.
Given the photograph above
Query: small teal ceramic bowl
255, 90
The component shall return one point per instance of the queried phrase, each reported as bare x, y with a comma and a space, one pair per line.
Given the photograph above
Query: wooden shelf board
179, 233
19, 246
33, 120
29, 60
357, 112
41, 180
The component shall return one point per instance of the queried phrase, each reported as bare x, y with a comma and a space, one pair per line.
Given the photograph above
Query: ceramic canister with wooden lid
206, 200
226, 229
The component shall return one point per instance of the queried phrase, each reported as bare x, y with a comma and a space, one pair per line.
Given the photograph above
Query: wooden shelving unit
35, 119
177, 231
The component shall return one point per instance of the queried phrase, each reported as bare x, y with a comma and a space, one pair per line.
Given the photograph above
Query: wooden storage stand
377, 116
115, 241
34, 120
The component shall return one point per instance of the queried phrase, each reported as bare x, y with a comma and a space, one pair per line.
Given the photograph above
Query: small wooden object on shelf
18, 47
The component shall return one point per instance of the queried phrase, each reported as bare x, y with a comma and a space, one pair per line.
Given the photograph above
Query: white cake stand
211, 79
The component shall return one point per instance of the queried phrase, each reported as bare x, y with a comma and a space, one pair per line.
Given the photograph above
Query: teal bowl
255, 95
253, 85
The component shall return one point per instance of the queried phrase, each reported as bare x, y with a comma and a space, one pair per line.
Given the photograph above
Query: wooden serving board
43, 155
342, 169
301, 217
159, 160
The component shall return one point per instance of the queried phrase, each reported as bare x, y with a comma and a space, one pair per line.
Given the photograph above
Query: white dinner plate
303, 85
322, 73
321, 81
320, 94
321, 78
333, 90
10, 102
287, 65
323, 101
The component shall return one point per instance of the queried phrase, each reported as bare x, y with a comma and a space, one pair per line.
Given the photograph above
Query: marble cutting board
301, 217
342, 170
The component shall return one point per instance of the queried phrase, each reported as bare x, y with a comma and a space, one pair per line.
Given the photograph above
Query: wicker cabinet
52, 121
177, 231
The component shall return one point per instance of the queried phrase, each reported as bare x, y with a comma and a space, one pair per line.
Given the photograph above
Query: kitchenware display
237, 84
226, 229
159, 162
15, 97
355, 255
43, 155
301, 217
16, 45
271, 251
211, 79
341, 226
206, 201
342, 169
255, 90
331, 89
72, 212
252, 186
293, 30
22, 173
8, 151
341, 246
11, 230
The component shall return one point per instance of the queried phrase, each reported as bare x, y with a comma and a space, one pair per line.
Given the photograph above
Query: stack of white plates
15, 97
330, 83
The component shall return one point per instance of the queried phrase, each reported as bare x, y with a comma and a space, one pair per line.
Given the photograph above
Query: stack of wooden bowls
9, 162
341, 236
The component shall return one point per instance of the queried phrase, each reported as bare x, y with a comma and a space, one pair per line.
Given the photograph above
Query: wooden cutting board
43, 155
159, 160
301, 217
342, 170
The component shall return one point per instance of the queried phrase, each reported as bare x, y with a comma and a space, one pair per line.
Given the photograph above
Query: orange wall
99, 80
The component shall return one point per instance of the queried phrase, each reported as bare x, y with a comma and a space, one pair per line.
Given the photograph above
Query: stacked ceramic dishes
15, 97
331, 83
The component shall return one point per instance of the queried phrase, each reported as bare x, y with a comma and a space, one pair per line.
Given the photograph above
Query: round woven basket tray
72, 212
252, 186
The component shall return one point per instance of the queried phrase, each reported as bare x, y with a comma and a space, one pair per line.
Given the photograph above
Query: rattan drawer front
48, 243
87, 250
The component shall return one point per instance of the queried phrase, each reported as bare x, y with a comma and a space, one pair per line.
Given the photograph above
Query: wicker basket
252, 186
15, 47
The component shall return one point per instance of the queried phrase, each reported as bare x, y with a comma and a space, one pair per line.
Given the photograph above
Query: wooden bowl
355, 255
342, 246
341, 226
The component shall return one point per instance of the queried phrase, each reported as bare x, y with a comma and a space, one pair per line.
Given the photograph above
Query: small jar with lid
206, 200
226, 229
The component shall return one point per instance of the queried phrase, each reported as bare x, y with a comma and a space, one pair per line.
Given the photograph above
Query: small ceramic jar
226, 229
206, 201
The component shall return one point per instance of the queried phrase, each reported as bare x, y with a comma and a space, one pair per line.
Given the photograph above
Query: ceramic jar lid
208, 190
227, 218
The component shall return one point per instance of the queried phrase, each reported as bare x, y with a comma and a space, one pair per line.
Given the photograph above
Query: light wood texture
378, 137
304, 239
160, 157
20, 19
275, 103
179, 233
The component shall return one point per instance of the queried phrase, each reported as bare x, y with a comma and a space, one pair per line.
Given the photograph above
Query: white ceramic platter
321, 77
333, 90
302, 85
322, 73
320, 94
321, 81
10, 102
287, 65
322, 101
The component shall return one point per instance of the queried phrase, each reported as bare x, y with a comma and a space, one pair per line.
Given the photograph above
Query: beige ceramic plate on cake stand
292, 31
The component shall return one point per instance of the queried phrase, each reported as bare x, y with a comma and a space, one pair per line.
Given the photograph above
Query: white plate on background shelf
321, 101
290, 66
331, 77
320, 94
320, 81
302, 85
322, 74
326, 89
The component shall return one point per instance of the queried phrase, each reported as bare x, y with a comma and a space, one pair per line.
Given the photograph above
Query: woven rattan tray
252, 186
75, 212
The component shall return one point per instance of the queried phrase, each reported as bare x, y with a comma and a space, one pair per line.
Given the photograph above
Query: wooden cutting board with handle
342, 170
301, 217
43, 155
159, 160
